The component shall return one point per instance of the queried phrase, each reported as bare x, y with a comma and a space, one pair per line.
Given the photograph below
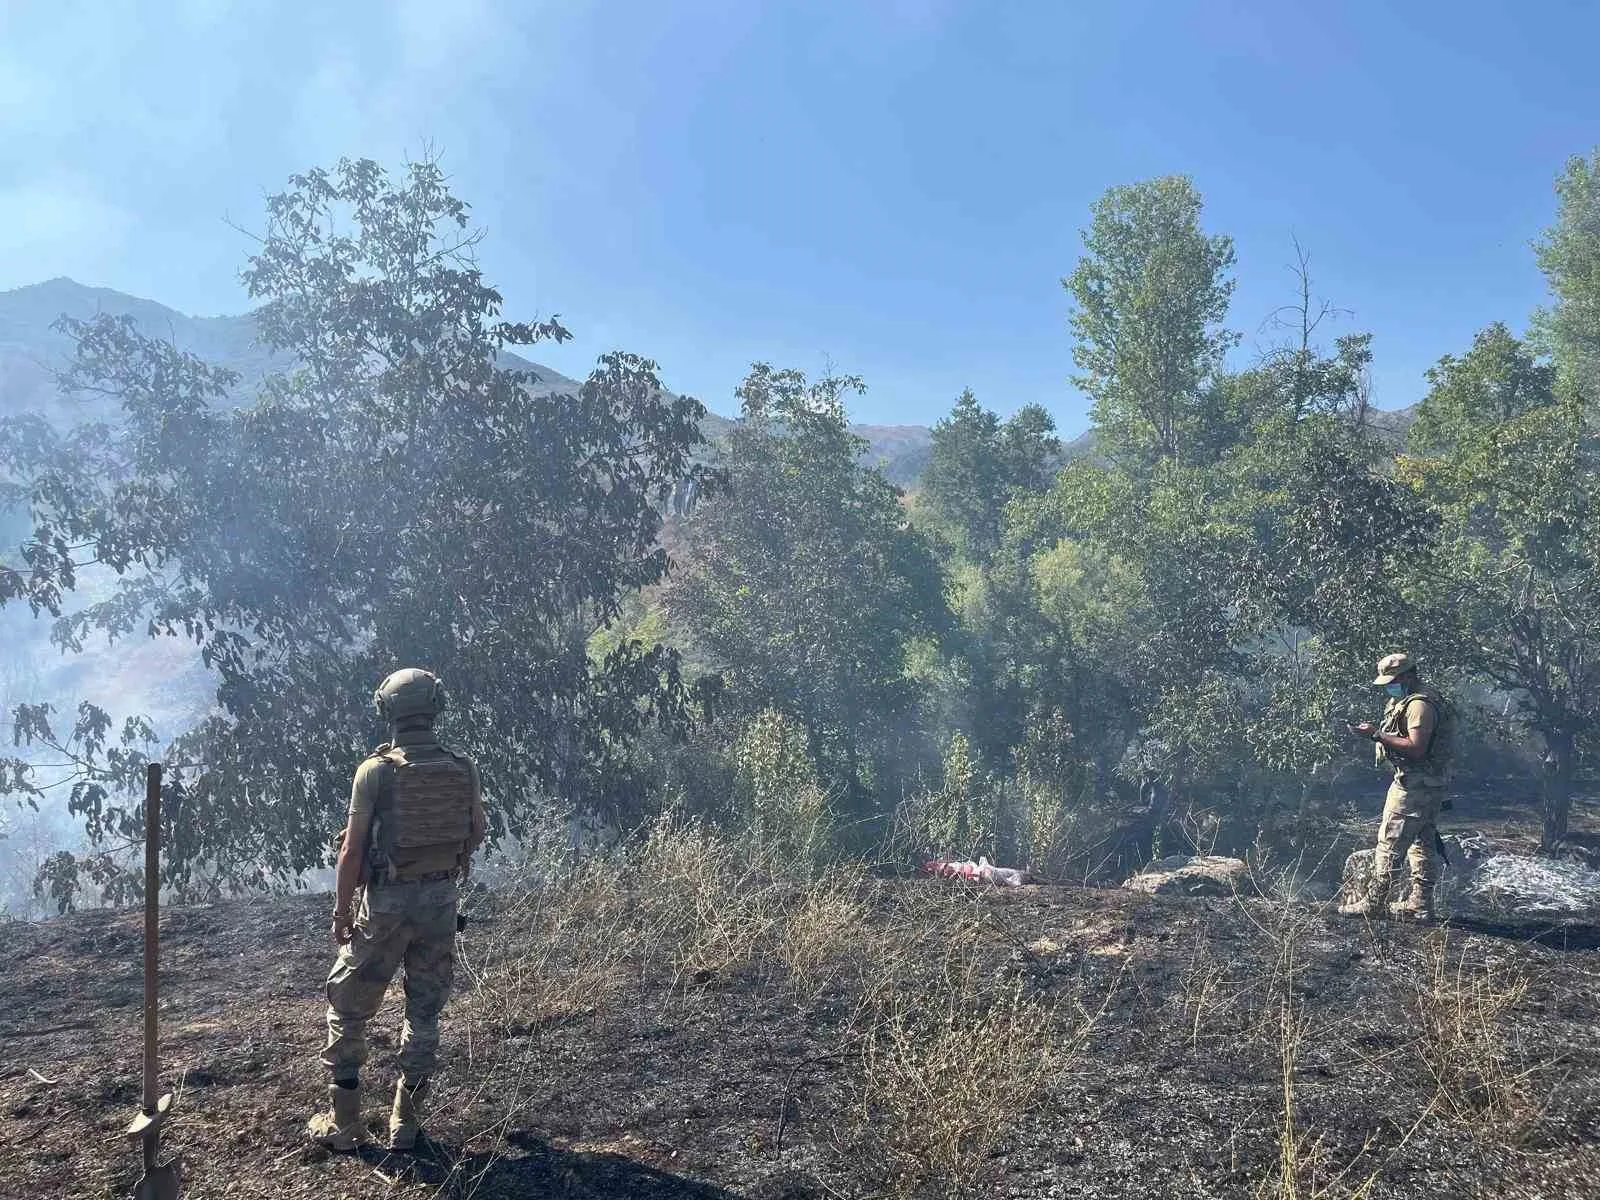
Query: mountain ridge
30, 350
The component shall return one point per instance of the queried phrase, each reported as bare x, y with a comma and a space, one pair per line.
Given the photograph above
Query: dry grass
677, 907
953, 1051
1305, 1167
944, 1077
1466, 1044
1203, 995
950, 1054
704, 905
948, 1049
826, 934
553, 953
949, 1057
1302, 1158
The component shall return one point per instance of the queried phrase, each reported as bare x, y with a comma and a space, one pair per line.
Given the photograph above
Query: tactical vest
423, 813
1433, 768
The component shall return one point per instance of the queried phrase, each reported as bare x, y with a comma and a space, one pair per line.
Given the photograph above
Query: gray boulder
1203, 875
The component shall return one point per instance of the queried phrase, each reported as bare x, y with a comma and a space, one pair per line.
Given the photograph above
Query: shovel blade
159, 1183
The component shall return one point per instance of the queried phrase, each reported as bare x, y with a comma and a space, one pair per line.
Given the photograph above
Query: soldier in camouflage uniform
416, 815
1415, 740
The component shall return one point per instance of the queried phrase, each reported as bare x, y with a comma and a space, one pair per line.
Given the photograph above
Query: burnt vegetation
730, 683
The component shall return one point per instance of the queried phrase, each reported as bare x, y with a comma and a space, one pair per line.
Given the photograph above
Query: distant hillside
30, 351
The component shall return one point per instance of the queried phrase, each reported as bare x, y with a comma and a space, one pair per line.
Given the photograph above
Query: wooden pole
152, 891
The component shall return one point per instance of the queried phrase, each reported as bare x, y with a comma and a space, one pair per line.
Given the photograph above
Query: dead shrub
1467, 1044
826, 931
1305, 1169
946, 1072
1202, 993
557, 949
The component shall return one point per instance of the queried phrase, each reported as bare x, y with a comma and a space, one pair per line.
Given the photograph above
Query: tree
1198, 629
1029, 449
1150, 295
399, 496
1503, 451
1569, 255
1109, 630
806, 584
977, 464
1498, 380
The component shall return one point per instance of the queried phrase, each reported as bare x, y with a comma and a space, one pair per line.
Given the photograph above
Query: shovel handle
152, 890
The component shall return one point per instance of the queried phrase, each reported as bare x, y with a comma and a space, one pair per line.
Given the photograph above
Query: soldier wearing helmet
416, 815
1415, 741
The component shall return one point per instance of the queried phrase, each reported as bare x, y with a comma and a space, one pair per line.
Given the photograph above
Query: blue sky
893, 185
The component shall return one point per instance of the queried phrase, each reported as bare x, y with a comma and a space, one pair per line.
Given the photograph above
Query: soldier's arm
353, 850
352, 856
1420, 720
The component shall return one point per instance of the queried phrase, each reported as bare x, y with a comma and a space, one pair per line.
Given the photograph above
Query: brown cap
1392, 666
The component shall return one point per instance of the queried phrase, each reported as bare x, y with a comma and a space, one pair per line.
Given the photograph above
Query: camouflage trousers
399, 924
1408, 830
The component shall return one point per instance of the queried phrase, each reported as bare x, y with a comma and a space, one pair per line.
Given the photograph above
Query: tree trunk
1157, 796
1559, 765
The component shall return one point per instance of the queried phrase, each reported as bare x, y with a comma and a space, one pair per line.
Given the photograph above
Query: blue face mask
1396, 690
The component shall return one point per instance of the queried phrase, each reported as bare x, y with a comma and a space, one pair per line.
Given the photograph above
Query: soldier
416, 815
1415, 741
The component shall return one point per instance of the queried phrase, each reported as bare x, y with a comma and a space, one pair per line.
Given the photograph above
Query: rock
1205, 875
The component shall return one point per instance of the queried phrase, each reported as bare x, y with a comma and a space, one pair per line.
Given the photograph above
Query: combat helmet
409, 694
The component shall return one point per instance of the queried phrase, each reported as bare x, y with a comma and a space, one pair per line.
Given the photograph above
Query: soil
732, 1089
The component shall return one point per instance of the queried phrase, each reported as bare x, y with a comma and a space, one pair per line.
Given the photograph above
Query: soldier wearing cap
1415, 741
416, 815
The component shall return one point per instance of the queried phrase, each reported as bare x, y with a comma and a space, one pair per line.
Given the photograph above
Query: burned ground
1415, 1061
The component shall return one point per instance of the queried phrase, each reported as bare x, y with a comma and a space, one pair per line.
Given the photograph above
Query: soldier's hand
1366, 729
343, 928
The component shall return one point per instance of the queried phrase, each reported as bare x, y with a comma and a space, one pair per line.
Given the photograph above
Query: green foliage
1166, 636
977, 464
1510, 464
777, 791
1055, 787
394, 498
962, 815
806, 584
1495, 382
1188, 619
1150, 296
1569, 255
642, 625
959, 818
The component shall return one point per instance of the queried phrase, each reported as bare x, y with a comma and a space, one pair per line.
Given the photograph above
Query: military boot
340, 1129
1364, 906
1374, 903
405, 1119
1417, 906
